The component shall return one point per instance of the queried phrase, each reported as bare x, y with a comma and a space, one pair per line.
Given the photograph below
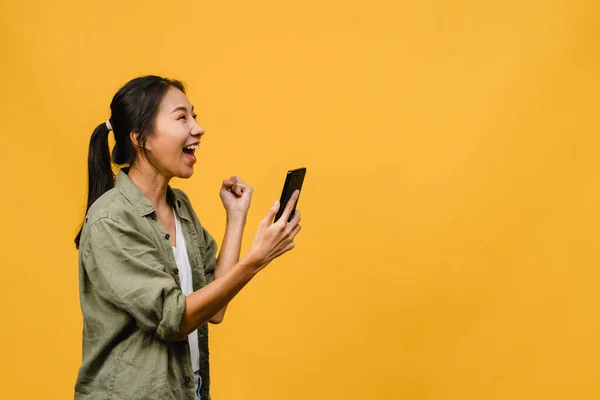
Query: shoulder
112, 219
113, 215
112, 205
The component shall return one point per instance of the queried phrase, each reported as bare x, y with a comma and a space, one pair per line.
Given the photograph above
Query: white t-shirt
185, 279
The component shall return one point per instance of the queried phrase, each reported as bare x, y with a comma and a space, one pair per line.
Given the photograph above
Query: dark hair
133, 109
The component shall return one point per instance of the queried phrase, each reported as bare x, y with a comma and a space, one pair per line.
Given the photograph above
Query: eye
182, 116
194, 116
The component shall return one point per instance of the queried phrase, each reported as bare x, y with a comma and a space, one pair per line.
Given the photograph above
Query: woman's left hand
236, 195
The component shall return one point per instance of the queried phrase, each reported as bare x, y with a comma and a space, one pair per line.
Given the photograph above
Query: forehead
174, 98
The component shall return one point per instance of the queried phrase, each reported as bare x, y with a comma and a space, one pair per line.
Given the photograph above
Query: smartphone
293, 182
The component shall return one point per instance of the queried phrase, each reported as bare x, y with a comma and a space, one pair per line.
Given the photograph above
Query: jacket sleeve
125, 268
210, 256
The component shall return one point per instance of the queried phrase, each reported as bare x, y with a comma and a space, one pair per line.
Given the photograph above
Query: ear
134, 136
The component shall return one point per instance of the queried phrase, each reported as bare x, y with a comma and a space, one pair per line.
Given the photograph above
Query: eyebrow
181, 108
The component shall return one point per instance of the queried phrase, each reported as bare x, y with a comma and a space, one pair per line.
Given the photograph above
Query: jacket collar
140, 202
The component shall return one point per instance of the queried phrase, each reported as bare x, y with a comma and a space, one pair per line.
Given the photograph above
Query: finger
290, 226
296, 219
292, 229
227, 184
295, 231
282, 248
240, 188
247, 189
272, 212
289, 246
236, 189
290, 205
237, 179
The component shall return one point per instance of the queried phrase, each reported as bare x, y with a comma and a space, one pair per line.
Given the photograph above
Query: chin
186, 174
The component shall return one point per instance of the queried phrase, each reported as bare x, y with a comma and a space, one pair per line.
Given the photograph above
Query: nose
197, 130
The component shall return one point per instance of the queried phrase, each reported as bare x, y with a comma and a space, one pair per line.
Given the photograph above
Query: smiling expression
176, 136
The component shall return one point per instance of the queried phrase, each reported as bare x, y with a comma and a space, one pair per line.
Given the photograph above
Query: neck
151, 183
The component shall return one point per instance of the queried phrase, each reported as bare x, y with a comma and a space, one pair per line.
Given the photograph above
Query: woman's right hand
274, 239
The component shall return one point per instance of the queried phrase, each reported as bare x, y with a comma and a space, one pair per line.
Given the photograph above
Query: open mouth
191, 149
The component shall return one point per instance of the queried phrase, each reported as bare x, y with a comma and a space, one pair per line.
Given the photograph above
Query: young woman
149, 275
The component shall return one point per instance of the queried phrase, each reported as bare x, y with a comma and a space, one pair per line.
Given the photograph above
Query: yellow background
450, 241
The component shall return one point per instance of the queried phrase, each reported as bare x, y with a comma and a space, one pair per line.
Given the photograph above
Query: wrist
251, 262
236, 216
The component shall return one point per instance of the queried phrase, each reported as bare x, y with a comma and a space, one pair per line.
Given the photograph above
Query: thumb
246, 191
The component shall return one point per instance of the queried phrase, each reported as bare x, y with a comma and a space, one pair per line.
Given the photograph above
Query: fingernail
276, 203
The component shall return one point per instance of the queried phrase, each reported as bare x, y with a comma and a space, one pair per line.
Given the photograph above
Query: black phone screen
293, 182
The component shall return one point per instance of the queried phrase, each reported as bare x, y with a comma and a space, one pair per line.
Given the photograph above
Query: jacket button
187, 379
176, 271
167, 236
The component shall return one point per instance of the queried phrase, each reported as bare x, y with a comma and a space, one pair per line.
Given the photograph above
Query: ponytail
133, 109
101, 177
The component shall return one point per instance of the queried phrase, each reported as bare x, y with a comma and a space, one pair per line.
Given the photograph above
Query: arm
125, 268
236, 197
270, 241
202, 305
230, 253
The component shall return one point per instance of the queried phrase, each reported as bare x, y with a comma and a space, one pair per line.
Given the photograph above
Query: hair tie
108, 125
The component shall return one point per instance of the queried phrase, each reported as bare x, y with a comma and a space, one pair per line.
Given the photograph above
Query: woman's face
176, 136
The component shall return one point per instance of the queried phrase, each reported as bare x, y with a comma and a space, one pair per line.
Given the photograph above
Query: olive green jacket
132, 302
